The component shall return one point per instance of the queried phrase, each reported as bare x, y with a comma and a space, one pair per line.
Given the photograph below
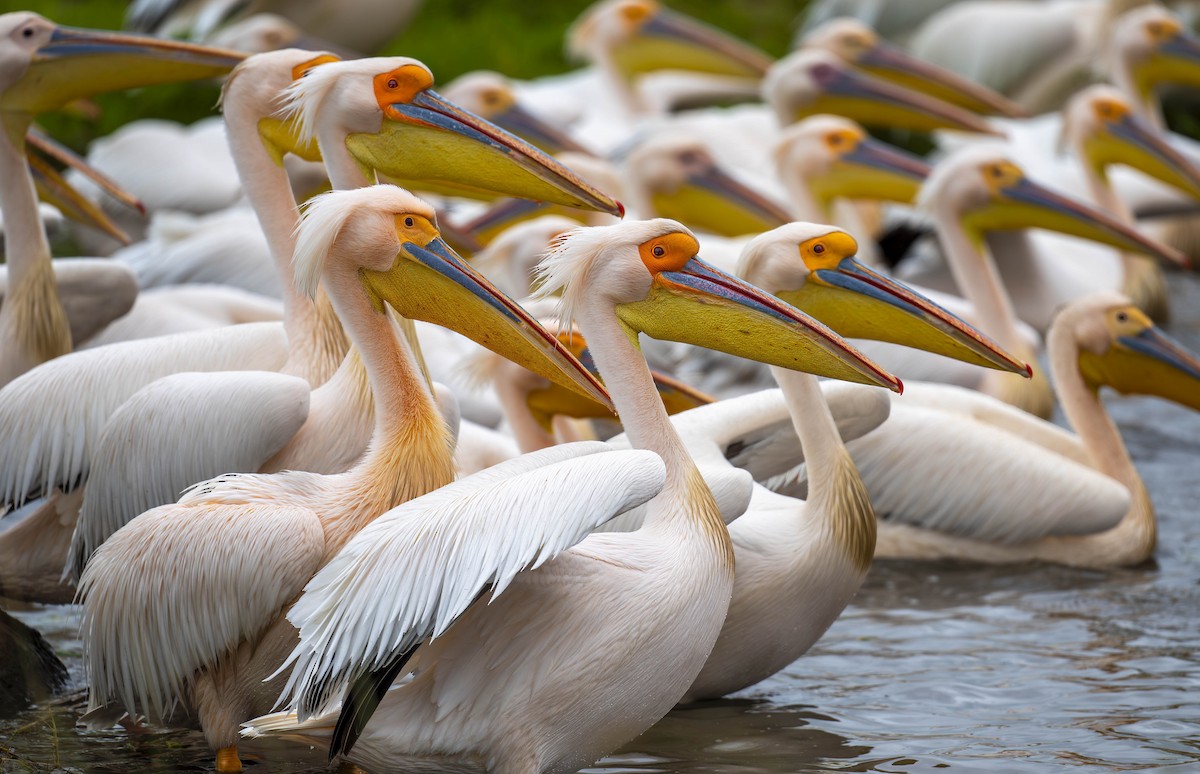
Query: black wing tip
362, 698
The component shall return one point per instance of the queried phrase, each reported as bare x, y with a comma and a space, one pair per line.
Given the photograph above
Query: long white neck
835, 489
641, 410
25, 241
976, 276
804, 205
316, 341
1085, 411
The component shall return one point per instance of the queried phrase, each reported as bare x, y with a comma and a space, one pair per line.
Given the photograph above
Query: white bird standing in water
530, 680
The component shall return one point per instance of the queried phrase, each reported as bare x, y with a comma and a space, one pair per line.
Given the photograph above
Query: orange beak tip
620, 209
1028, 371
899, 386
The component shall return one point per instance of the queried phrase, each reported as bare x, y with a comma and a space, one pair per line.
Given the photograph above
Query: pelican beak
495, 219
281, 136
1177, 60
1147, 362
875, 102
872, 170
548, 402
527, 126
892, 64
672, 41
79, 63
701, 305
53, 188
1130, 140
1022, 203
468, 155
430, 282
710, 200
860, 303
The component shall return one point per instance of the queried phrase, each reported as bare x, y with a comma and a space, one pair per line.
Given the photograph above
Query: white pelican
626, 39
1152, 48
210, 646
997, 485
978, 190
812, 81
799, 563
529, 681
490, 95
859, 45
339, 419
42, 67
1102, 130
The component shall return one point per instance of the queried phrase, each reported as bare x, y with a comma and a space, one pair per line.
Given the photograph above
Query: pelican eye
1122, 317
27, 32
409, 222
393, 84
668, 252
828, 250
401, 85
818, 248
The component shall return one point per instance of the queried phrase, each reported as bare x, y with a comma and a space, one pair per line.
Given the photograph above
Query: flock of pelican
293, 504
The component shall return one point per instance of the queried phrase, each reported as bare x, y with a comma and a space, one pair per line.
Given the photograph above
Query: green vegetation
521, 38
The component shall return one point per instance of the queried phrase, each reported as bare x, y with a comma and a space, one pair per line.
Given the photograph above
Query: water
934, 667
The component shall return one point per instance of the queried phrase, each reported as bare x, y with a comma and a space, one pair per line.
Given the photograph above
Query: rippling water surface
934, 666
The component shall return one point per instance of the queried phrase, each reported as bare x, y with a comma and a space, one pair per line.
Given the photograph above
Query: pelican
490, 95
527, 682
978, 190
626, 39
1151, 48
799, 563
42, 67
338, 419
813, 80
369, 247
1102, 129
858, 44
1046, 494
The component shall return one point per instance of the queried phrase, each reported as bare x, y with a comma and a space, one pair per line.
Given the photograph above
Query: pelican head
832, 157
640, 36
396, 254
812, 81
813, 268
396, 124
674, 175
490, 95
859, 45
255, 87
986, 191
1101, 126
1118, 346
649, 274
43, 65
1151, 47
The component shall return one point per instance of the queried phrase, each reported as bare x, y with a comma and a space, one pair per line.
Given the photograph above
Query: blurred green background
521, 38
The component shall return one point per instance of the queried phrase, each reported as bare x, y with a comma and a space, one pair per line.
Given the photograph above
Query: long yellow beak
430, 144
1147, 362
871, 170
701, 305
861, 303
77, 63
52, 187
1177, 60
671, 41
431, 282
713, 201
874, 102
892, 64
553, 400
1130, 140
1025, 204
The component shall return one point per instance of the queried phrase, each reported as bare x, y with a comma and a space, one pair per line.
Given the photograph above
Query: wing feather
410, 574
52, 416
179, 587
177, 431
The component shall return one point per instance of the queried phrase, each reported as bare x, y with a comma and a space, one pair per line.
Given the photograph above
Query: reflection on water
935, 666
